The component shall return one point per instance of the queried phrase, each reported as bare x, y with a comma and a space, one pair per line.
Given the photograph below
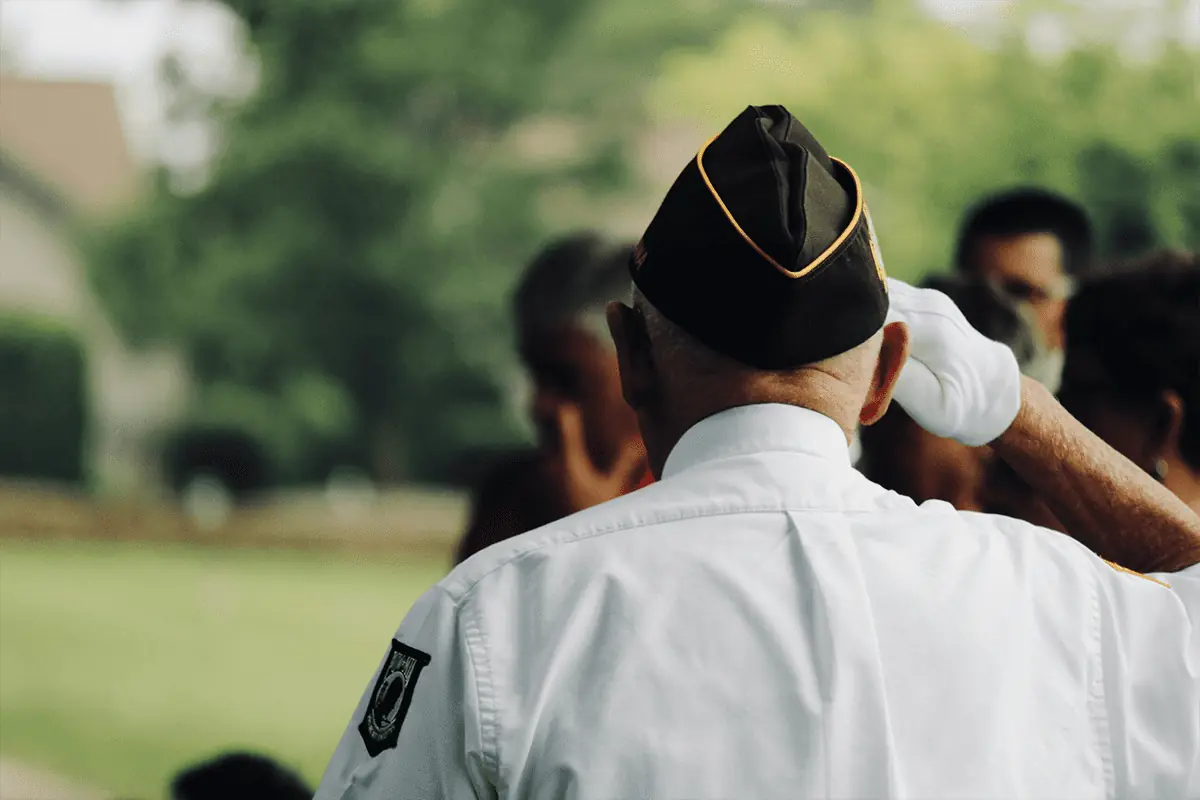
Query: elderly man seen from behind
764, 622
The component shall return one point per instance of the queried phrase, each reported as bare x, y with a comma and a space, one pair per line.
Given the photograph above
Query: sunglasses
1025, 292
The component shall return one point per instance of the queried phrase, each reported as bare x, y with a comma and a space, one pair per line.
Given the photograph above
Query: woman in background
589, 449
1132, 375
1132, 371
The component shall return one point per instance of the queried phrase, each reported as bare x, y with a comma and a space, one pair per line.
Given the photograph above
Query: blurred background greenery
338, 284
336, 280
326, 295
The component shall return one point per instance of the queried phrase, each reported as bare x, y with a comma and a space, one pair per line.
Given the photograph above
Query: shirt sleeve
1150, 652
416, 730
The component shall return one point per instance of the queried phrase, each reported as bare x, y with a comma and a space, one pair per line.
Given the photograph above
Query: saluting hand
957, 383
580, 483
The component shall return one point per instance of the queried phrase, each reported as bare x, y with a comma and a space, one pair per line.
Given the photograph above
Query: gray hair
692, 366
680, 352
571, 281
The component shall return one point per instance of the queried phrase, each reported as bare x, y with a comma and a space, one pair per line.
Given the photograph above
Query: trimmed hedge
43, 400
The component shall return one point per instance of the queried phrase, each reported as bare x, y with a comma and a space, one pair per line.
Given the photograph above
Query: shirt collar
757, 429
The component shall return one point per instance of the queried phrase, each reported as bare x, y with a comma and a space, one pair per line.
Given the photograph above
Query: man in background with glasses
1031, 244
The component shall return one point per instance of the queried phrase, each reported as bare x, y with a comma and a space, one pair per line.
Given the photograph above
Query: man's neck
815, 391
822, 393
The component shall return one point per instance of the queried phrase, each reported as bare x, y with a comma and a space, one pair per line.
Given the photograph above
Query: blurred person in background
589, 449
1132, 375
900, 455
1032, 244
239, 776
1132, 372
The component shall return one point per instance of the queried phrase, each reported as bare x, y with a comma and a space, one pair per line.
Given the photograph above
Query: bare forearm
1103, 499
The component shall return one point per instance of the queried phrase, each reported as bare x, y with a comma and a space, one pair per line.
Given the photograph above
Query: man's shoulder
1016, 534
1048, 551
683, 503
549, 542
679, 501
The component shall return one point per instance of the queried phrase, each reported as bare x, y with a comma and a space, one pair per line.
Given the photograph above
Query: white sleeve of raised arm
416, 730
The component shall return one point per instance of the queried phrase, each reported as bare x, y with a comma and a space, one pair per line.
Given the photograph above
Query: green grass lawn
121, 663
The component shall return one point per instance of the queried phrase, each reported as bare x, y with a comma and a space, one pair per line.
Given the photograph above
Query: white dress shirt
766, 623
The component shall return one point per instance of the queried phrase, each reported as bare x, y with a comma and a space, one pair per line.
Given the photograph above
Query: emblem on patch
391, 697
875, 253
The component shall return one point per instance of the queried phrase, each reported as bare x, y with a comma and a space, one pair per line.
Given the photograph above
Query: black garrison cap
763, 249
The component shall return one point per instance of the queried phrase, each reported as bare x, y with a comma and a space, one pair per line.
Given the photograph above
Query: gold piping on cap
859, 209
875, 252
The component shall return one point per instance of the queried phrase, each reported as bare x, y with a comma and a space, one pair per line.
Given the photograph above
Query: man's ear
634, 358
893, 352
1168, 425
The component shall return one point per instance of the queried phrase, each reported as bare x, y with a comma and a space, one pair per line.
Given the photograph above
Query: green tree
374, 199
1118, 188
932, 117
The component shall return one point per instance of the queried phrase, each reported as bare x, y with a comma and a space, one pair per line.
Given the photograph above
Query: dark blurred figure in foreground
1133, 366
900, 455
239, 776
589, 449
1031, 244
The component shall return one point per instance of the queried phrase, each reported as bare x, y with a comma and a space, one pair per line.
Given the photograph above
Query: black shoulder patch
391, 697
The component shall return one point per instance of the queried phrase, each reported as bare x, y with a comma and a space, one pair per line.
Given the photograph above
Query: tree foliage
373, 201
932, 118
340, 280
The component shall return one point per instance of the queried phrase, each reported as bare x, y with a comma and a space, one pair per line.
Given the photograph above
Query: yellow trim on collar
1128, 571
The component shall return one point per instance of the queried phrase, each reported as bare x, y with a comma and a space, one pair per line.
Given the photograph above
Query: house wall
134, 396
38, 271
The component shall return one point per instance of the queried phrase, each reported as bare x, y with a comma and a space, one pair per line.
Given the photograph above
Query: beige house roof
69, 135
